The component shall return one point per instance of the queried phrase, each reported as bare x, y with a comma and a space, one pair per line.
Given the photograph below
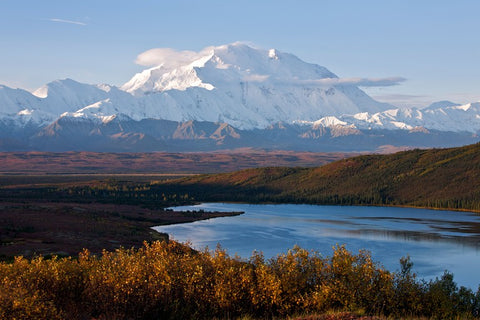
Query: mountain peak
441, 104
243, 85
238, 84
58, 85
214, 66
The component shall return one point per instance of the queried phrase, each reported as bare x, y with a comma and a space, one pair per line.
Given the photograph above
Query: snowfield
245, 87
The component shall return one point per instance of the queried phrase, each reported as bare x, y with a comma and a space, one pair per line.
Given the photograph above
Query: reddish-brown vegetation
340, 316
435, 178
47, 228
157, 162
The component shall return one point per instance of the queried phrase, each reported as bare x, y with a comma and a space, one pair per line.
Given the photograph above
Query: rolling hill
437, 178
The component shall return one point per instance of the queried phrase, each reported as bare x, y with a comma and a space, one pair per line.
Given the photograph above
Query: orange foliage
171, 280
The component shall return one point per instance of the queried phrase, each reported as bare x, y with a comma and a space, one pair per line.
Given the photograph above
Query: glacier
237, 86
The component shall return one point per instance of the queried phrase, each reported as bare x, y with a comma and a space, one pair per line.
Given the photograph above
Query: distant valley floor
12, 163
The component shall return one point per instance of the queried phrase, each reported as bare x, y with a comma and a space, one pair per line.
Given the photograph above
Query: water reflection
436, 240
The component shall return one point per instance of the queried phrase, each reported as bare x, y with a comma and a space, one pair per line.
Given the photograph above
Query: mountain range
225, 97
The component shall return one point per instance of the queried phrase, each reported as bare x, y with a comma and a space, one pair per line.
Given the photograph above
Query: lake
435, 240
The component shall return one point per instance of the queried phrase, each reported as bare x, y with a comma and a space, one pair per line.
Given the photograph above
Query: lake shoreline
31, 228
436, 240
134, 225
349, 205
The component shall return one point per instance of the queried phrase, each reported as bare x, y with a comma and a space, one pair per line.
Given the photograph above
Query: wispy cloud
361, 82
255, 77
170, 58
78, 23
422, 101
404, 100
398, 96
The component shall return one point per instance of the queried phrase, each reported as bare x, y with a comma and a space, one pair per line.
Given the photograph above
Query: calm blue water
435, 240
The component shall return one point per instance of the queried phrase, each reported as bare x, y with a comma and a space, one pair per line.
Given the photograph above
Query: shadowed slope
439, 178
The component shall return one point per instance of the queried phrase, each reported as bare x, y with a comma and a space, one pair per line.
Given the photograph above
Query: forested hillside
439, 178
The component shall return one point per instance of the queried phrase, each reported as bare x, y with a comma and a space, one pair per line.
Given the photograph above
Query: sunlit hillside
437, 178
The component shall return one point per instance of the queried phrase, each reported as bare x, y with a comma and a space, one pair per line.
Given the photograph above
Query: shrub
169, 280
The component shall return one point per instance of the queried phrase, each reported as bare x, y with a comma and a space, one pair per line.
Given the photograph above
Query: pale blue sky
435, 45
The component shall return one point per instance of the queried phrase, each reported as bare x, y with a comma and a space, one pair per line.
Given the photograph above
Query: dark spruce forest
47, 223
433, 178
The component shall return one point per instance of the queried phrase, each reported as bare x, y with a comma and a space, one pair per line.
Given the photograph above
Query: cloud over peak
361, 82
169, 59
166, 57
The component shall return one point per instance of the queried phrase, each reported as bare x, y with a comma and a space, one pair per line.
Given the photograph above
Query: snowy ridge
245, 87
456, 118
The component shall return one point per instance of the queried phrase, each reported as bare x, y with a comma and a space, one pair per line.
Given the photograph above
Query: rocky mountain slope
224, 97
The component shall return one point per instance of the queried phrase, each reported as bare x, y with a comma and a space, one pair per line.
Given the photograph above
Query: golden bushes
169, 280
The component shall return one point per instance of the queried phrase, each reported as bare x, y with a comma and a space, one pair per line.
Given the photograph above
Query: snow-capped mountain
228, 94
454, 117
248, 88
49, 102
237, 84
